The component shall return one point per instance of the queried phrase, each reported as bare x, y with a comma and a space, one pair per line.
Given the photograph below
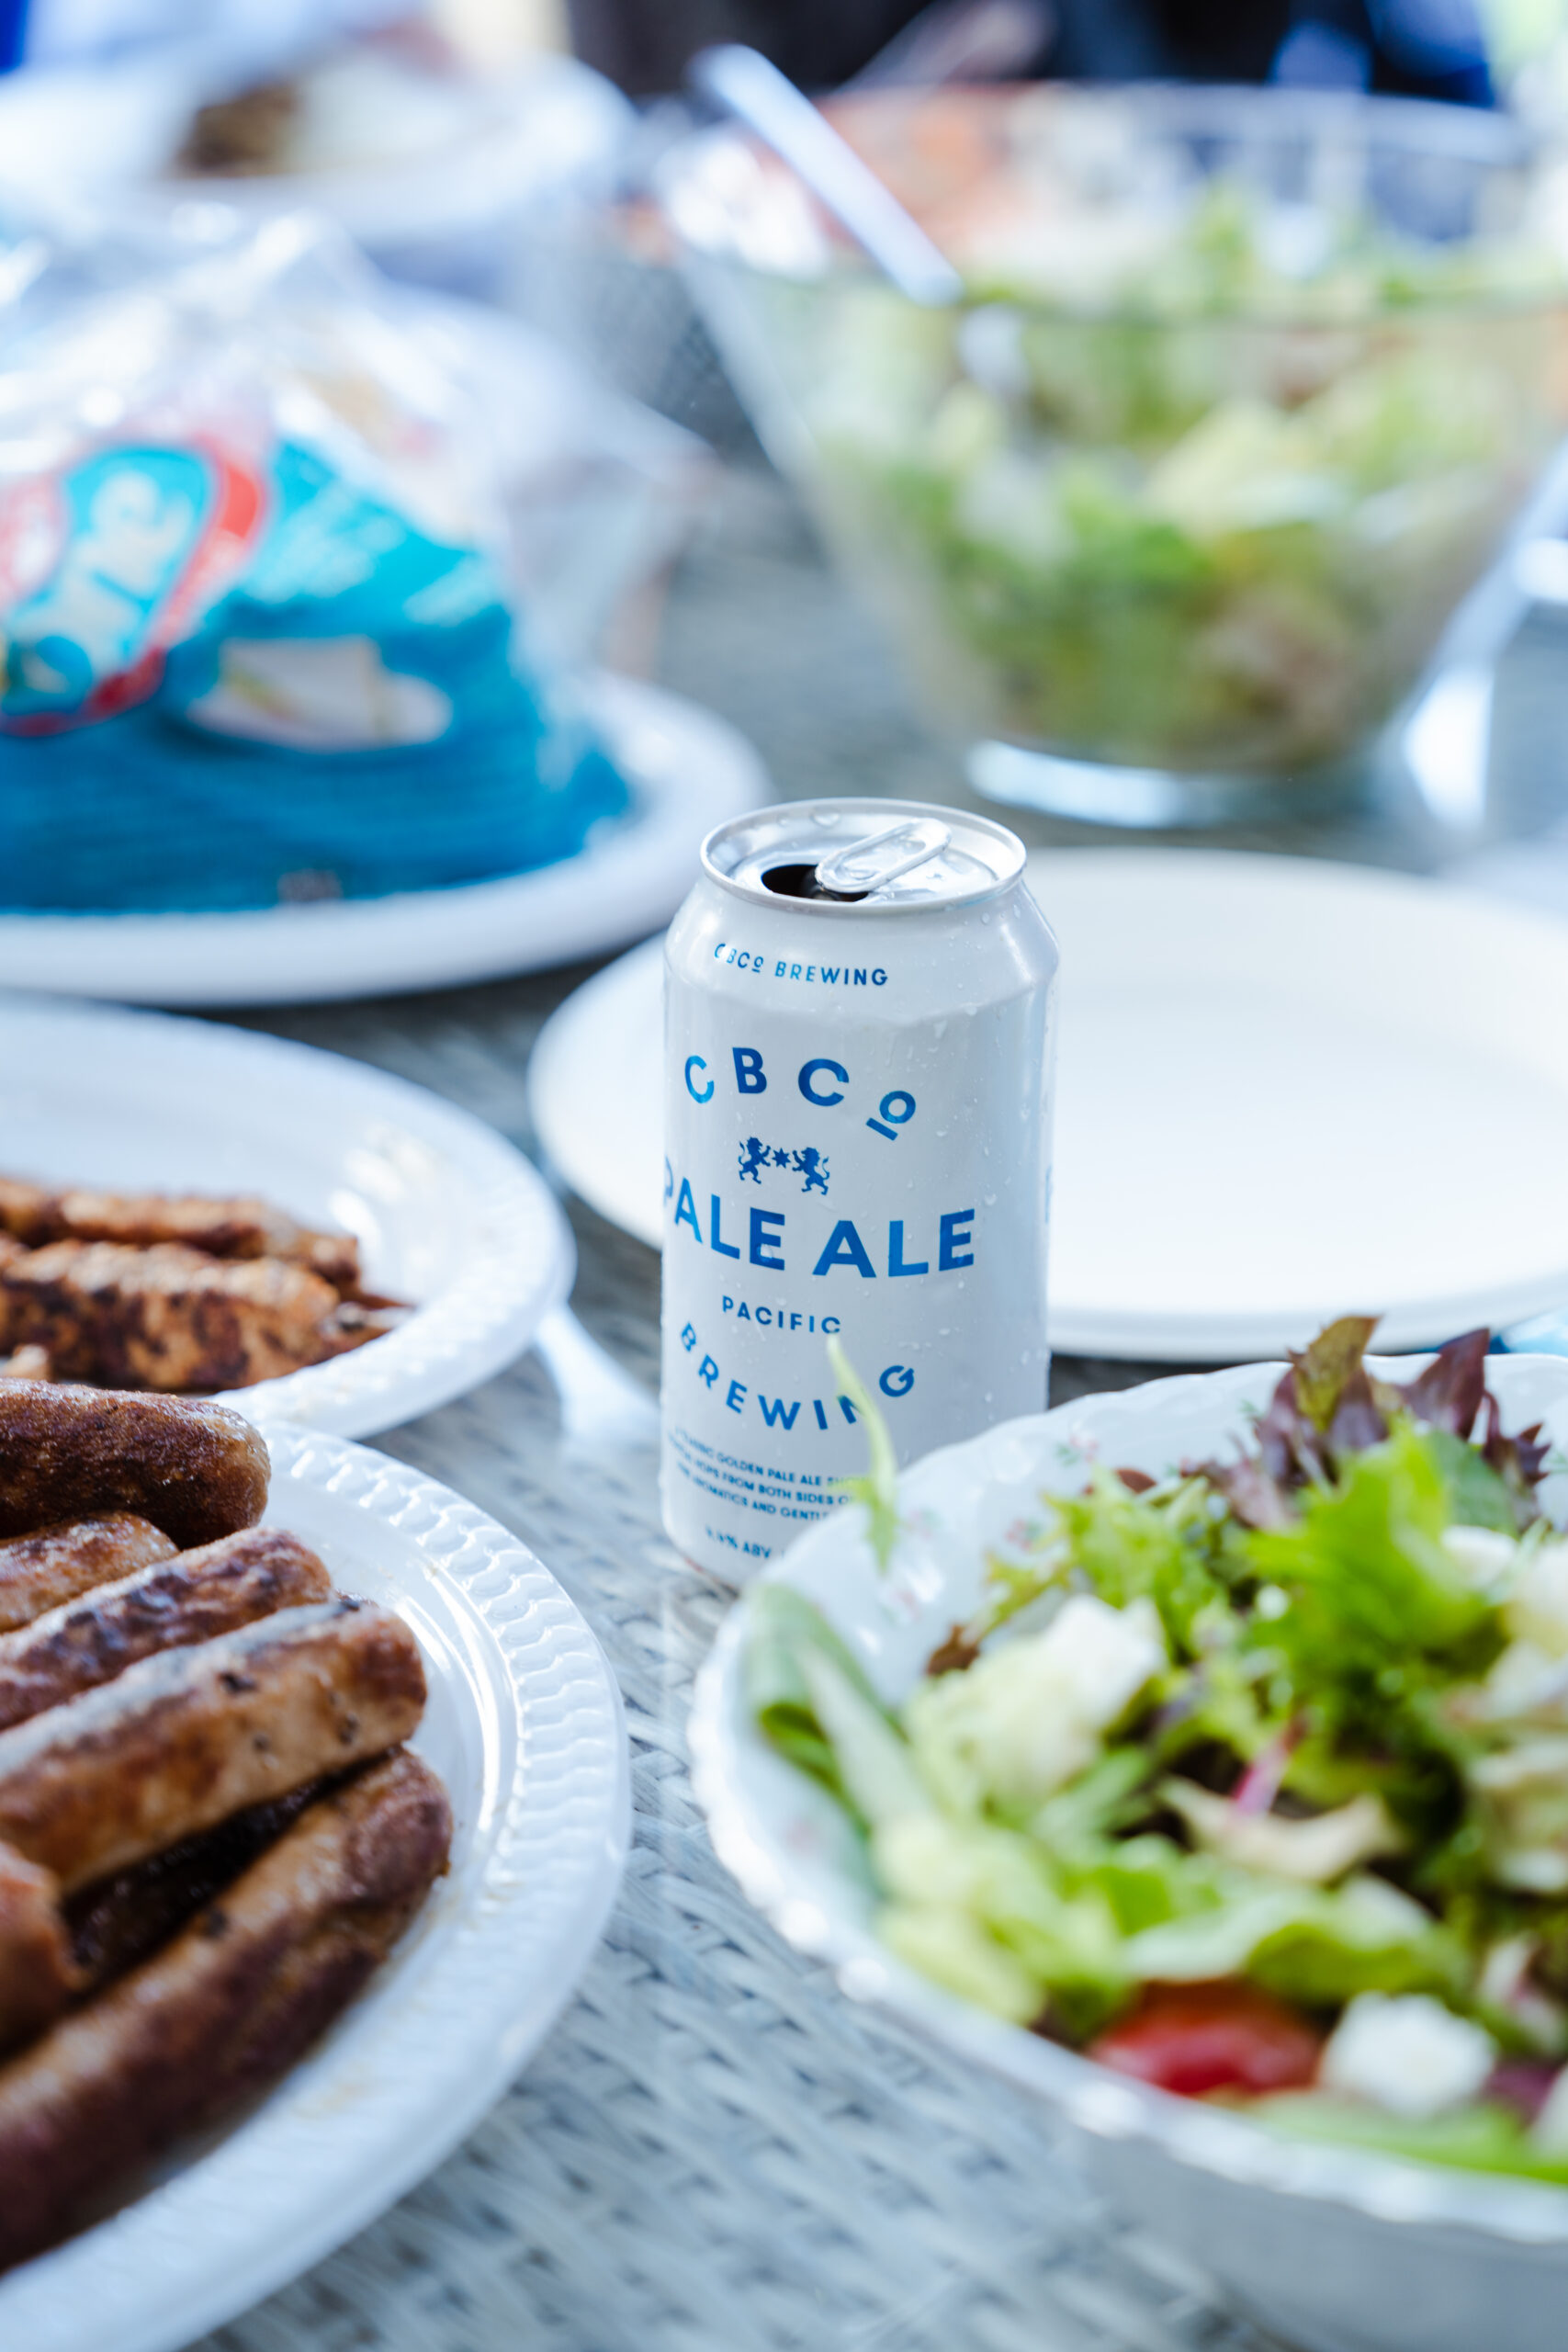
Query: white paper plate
1287, 1089
688, 770
448, 1214
524, 1727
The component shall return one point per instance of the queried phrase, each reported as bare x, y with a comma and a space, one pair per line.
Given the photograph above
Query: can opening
801, 882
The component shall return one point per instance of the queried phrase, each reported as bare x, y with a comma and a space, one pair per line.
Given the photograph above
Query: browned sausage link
41, 1572
168, 1318
192, 1598
225, 2009
235, 1225
36, 1977
194, 1469
186, 1738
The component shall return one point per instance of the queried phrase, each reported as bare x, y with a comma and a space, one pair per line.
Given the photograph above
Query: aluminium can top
868, 856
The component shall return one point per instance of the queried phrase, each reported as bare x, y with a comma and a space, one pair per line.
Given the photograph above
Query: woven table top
715, 2151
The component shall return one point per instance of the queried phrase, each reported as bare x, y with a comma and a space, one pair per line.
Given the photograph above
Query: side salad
1250, 1781
1195, 486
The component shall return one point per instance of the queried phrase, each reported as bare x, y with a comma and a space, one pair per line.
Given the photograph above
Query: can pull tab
862, 867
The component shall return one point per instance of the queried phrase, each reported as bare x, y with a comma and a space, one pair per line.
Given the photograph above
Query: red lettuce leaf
1450, 1394
1327, 1406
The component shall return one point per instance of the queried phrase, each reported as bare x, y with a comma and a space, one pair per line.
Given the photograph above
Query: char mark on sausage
48, 1570
176, 1604
171, 1317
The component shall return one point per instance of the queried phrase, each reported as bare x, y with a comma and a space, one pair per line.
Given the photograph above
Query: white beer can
859, 1044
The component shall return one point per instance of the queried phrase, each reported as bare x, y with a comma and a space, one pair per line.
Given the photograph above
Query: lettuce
785, 1630
944, 1943
963, 1892
1486, 2137
878, 1490
1375, 1602
1102, 1783
1031, 1716
875, 1768
1163, 1547
1304, 1943
1197, 532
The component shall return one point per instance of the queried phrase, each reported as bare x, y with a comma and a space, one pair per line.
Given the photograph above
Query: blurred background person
1421, 48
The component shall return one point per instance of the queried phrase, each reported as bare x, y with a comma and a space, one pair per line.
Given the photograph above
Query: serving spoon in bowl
742, 81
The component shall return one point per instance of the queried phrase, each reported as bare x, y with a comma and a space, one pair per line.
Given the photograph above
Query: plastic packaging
285, 576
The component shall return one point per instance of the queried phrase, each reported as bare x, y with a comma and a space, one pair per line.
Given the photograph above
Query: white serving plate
1336, 2250
1287, 1089
688, 772
524, 1727
450, 1216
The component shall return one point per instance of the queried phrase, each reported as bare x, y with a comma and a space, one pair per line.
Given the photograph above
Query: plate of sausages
314, 1800
195, 1209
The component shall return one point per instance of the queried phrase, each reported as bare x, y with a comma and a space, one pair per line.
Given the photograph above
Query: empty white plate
1288, 1089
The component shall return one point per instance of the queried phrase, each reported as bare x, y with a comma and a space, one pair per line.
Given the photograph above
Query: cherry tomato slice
1196, 2037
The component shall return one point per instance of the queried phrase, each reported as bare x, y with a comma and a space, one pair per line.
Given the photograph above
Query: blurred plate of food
303, 581
177, 2138
686, 771
1283, 1083
191, 1208
423, 156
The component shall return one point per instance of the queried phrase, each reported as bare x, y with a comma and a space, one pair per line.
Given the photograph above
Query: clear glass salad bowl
1335, 2247
1165, 518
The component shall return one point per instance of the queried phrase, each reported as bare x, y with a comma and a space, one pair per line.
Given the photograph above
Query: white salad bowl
1335, 2249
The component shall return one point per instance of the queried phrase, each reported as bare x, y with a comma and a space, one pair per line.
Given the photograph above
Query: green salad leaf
785, 1632
1375, 1604
1292, 1726
1161, 1548
1487, 2137
878, 1490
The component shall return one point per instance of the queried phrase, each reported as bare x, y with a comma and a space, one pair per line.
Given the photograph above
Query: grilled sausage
223, 2010
36, 1977
176, 1602
118, 1921
226, 1226
182, 1740
169, 1318
194, 1469
48, 1570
